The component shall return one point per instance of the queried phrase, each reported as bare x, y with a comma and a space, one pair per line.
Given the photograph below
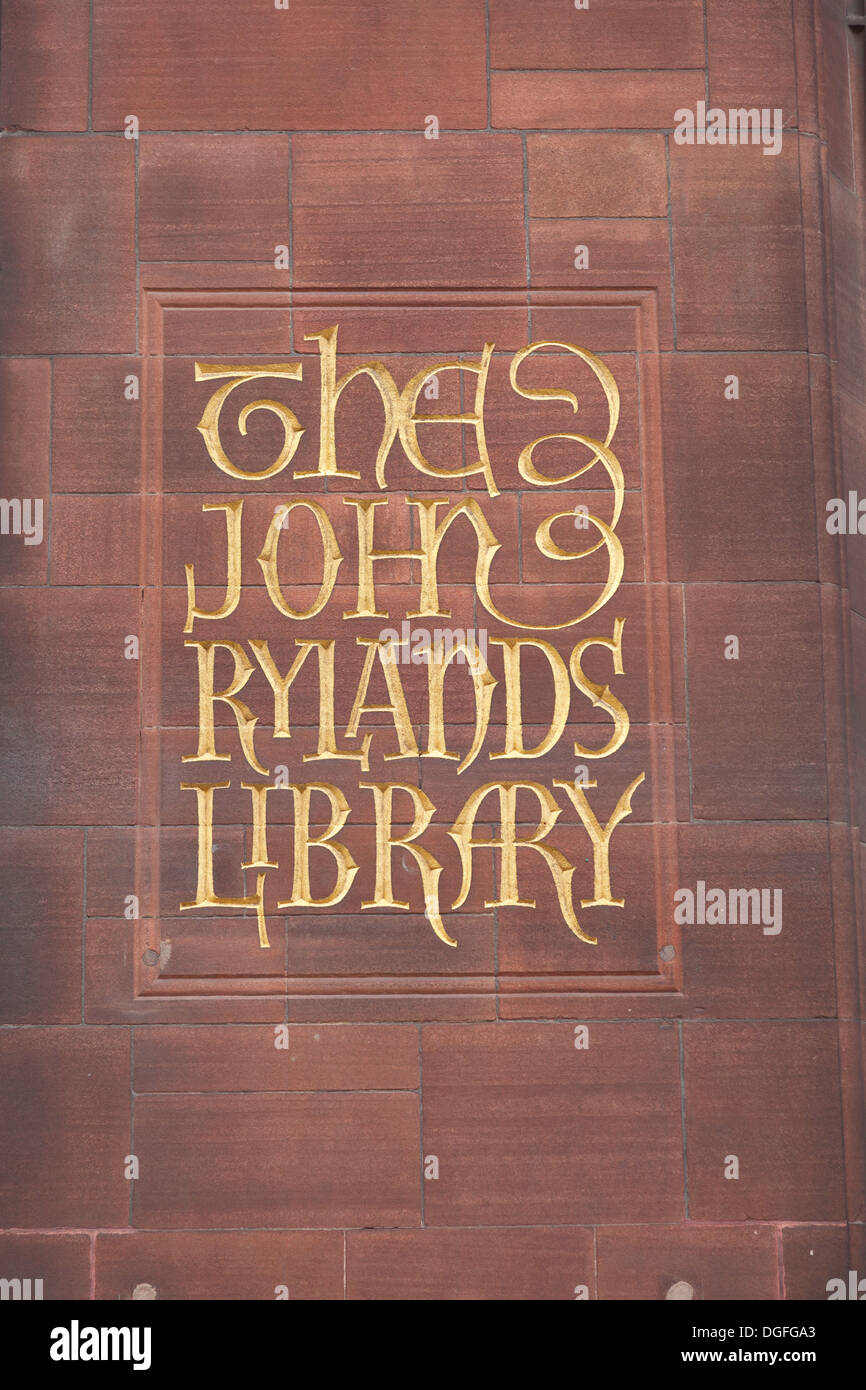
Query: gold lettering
409, 420
259, 796
600, 838
483, 684
397, 706
280, 684
330, 395
209, 424
331, 559
602, 451
601, 694
367, 554
208, 697
386, 842
511, 650
304, 842
401, 418
234, 513
205, 895
432, 536
561, 871
327, 741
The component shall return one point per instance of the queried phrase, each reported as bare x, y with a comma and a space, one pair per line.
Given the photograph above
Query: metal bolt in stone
680, 1290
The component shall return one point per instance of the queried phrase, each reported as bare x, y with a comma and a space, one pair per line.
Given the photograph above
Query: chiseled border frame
405, 998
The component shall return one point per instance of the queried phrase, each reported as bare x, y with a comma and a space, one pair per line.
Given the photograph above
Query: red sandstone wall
559, 1169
